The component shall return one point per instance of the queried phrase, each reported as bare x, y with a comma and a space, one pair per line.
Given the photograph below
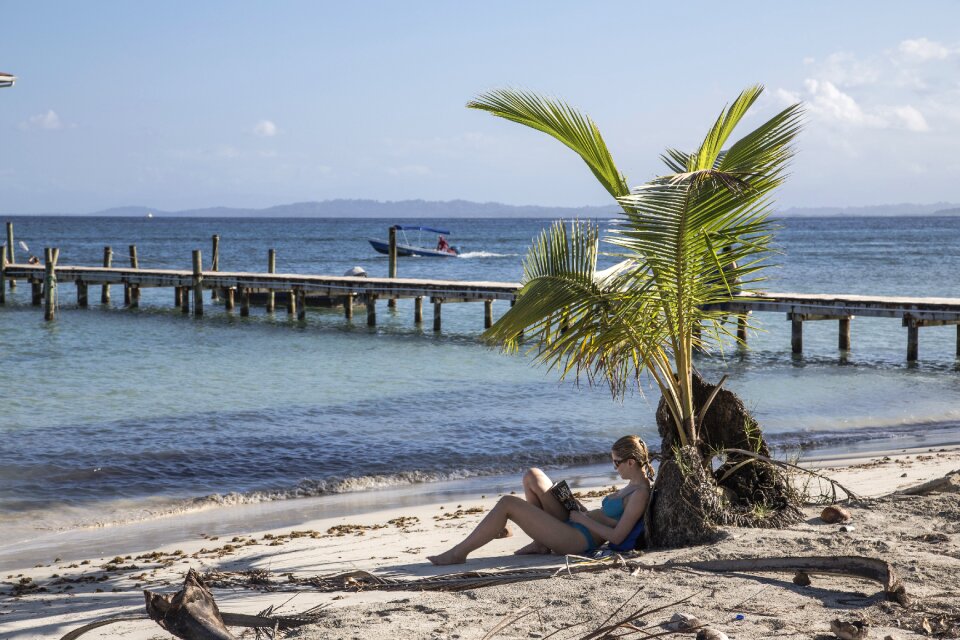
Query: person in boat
442, 245
557, 530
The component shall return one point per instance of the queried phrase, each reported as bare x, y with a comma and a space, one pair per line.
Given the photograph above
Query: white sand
77, 592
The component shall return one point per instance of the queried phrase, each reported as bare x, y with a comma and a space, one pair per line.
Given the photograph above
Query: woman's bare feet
506, 533
447, 557
534, 548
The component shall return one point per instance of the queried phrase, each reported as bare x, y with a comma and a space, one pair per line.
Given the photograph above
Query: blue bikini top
612, 506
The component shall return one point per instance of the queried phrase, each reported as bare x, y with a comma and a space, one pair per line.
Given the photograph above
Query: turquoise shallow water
112, 414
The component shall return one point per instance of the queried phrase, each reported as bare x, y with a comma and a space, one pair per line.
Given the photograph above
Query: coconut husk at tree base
691, 504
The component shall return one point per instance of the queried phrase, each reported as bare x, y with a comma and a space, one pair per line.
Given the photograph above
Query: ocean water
112, 415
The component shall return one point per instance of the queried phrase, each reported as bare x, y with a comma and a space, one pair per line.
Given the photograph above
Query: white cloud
847, 70
910, 118
409, 170
265, 129
49, 121
825, 99
889, 89
922, 49
785, 97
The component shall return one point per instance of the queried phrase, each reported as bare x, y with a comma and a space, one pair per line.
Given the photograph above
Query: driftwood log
191, 613
949, 483
855, 566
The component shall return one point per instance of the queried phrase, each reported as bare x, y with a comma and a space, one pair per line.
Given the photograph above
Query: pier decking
805, 307
295, 290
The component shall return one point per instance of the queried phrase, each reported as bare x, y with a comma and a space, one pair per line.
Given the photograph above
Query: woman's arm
633, 510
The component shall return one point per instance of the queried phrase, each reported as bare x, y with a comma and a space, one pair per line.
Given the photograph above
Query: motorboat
407, 247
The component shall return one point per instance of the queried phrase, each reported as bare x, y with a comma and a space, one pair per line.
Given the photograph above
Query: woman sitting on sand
553, 527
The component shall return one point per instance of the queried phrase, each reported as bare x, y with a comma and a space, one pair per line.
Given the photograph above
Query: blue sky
180, 104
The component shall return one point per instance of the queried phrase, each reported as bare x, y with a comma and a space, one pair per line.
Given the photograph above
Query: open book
561, 491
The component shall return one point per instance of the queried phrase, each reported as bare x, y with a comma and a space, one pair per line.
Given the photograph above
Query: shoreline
81, 542
387, 539
811, 448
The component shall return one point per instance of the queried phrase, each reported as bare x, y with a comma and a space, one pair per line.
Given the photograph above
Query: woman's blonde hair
634, 448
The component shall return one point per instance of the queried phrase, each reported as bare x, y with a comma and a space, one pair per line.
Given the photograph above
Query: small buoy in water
358, 272
834, 514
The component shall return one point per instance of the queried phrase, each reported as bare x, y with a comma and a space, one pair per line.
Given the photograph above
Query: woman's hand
580, 517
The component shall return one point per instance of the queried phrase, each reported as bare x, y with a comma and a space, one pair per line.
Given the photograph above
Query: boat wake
487, 254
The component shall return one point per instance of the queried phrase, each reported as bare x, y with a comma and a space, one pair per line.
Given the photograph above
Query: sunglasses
617, 463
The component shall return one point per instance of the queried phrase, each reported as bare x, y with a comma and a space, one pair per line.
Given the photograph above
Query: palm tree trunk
690, 505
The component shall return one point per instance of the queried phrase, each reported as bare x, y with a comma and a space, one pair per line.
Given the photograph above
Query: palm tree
684, 240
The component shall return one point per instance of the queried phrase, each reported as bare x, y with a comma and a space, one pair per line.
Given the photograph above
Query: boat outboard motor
359, 272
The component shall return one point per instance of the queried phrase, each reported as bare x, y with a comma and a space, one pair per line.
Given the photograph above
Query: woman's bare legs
536, 490
543, 527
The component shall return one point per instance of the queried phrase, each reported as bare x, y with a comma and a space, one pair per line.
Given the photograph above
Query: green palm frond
730, 117
688, 240
561, 121
576, 321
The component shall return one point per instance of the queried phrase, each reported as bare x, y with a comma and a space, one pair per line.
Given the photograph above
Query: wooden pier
236, 288
808, 307
296, 290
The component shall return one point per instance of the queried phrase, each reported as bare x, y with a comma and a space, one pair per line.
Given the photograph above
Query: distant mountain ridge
377, 209
902, 209
422, 209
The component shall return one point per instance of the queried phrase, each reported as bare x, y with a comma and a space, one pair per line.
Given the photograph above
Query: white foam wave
127, 511
487, 254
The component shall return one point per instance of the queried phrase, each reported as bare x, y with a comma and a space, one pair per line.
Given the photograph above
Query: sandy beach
918, 535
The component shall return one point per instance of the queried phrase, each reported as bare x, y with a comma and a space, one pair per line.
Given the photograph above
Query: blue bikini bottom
591, 545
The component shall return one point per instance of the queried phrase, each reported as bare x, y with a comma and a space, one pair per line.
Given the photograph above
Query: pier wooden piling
913, 342
197, 283
228, 302
131, 293
843, 339
348, 306
271, 268
215, 263
392, 262
742, 328
418, 310
184, 299
82, 295
107, 262
244, 302
3, 274
300, 299
487, 314
371, 310
11, 255
50, 257
437, 313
